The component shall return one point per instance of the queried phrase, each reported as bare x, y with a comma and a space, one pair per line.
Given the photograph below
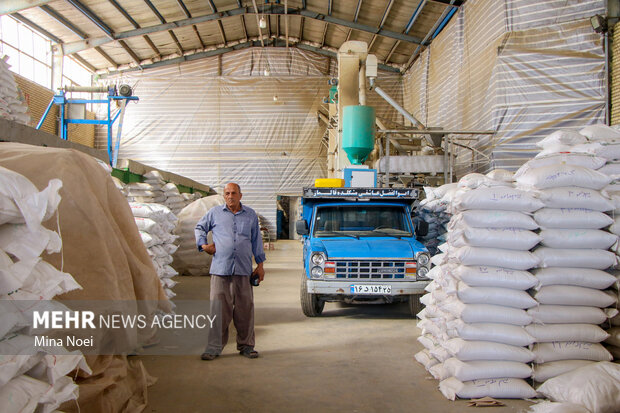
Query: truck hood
377, 248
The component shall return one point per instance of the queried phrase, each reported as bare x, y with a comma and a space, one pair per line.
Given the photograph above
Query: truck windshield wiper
342, 233
385, 231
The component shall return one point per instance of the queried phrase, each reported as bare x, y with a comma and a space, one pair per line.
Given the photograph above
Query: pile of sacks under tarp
433, 210
156, 223
187, 259
12, 107
32, 376
103, 251
521, 289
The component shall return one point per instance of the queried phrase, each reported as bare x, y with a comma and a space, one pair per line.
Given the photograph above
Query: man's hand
259, 271
208, 248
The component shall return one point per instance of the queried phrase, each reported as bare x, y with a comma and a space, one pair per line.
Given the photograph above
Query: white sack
579, 159
485, 369
570, 350
466, 350
501, 175
502, 198
496, 296
30, 206
495, 257
581, 277
485, 276
546, 333
571, 218
477, 218
506, 388
572, 295
586, 258
611, 168
577, 238
504, 238
22, 394
544, 371
486, 313
25, 243
475, 180
424, 358
551, 407
495, 332
574, 197
600, 132
563, 137
596, 387
615, 227
562, 175
569, 314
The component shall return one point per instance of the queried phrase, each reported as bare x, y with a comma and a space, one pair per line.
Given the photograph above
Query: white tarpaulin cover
216, 127
523, 68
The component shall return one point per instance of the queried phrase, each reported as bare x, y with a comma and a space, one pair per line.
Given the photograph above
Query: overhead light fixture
275, 98
267, 72
599, 23
262, 23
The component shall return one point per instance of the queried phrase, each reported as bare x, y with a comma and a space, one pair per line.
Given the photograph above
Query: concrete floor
352, 359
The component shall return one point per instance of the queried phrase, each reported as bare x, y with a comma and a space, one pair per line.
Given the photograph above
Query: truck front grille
379, 270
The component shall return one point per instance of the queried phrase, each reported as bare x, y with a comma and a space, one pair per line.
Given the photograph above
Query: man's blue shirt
236, 237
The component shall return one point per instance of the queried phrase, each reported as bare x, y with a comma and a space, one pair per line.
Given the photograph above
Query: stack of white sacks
11, 106
573, 252
174, 200
476, 311
433, 210
32, 377
156, 223
481, 329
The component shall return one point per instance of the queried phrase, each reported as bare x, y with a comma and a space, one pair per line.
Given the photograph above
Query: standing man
236, 238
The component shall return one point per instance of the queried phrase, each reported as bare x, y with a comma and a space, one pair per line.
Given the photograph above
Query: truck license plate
371, 289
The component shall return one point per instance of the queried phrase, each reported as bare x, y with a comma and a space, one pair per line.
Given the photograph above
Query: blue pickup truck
359, 246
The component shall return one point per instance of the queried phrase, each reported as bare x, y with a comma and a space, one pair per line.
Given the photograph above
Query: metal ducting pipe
89, 89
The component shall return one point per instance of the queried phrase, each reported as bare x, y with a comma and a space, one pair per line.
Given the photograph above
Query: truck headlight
423, 259
422, 271
316, 272
317, 258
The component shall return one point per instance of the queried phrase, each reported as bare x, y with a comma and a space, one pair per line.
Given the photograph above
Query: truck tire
415, 306
310, 303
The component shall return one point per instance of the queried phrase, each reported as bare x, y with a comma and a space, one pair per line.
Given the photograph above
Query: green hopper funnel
358, 132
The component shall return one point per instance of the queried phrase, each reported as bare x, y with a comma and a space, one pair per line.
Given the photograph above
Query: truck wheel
415, 306
310, 303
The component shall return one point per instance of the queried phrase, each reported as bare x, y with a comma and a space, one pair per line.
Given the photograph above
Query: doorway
288, 211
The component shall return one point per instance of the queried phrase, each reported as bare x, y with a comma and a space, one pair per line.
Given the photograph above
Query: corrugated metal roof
114, 35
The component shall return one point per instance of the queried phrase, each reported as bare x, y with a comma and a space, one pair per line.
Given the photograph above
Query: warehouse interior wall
37, 98
221, 119
522, 68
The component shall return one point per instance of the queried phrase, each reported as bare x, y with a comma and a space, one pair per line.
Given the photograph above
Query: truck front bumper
344, 287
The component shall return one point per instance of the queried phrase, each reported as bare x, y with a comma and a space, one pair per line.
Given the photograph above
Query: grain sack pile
432, 209
12, 107
573, 252
32, 377
473, 324
187, 259
103, 251
156, 224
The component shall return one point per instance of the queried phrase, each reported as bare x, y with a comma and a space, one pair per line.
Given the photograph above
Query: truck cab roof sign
361, 193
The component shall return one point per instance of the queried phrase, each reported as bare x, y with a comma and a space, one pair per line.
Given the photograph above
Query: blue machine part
61, 100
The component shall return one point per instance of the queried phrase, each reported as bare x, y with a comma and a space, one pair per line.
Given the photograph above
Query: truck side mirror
301, 227
421, 228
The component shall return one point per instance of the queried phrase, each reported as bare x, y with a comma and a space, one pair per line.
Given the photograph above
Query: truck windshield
358, 220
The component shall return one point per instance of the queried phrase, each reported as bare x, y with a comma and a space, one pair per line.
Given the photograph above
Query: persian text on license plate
371, 289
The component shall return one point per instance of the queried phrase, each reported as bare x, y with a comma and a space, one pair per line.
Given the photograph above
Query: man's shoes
249, 353
209, 356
